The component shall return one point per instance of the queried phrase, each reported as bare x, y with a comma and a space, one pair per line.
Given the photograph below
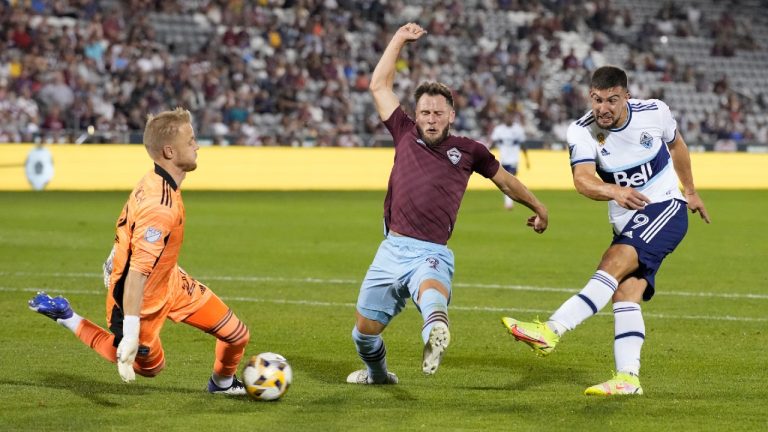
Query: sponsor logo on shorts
433, 262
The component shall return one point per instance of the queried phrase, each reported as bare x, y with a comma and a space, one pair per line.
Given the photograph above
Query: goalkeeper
145, 283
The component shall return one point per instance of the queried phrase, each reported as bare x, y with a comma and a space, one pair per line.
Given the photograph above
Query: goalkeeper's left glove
128, 348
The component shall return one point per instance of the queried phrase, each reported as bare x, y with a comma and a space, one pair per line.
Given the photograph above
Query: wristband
131, 326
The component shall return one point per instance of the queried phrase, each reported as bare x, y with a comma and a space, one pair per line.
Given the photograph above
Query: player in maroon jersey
428, 180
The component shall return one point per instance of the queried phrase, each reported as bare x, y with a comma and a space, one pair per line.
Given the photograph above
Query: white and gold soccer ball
267, 376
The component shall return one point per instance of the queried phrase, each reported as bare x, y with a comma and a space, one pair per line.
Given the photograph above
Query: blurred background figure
509, 138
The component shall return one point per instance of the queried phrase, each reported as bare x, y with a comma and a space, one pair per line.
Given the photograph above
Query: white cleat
361, 377
439, 339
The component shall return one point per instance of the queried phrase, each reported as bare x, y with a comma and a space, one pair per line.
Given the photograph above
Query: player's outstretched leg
373, 352
439, 339
232, 335
434, 332
55, 308
620, 385
59, 310
535, 334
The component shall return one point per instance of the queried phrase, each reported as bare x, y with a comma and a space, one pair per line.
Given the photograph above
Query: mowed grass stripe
452, 308
340, 281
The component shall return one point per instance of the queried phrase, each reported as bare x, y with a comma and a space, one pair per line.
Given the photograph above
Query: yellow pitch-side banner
119, 167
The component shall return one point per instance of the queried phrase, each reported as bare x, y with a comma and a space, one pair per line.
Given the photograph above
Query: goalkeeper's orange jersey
148, 238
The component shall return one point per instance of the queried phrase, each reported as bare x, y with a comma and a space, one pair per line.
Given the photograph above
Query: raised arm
513, 188
383, 78
682, 161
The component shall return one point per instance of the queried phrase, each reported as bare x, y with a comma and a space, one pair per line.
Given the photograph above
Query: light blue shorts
400, 266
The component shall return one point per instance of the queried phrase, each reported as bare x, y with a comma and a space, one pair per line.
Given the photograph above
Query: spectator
114, 65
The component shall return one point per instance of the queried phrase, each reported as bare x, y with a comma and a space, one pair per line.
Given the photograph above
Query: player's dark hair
434, 89
608, 77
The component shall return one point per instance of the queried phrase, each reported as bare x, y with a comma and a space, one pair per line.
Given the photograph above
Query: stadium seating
279, 73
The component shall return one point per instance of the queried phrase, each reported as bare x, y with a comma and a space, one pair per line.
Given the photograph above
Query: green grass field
290, 265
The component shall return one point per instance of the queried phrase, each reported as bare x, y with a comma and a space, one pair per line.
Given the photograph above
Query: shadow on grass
97, 392
335, 372
524, 373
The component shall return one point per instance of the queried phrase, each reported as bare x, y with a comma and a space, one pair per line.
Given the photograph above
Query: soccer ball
267, 376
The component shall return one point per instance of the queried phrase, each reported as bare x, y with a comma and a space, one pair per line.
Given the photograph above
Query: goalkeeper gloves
128, 348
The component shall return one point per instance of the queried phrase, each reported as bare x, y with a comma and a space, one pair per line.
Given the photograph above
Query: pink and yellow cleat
621, 384
535, 334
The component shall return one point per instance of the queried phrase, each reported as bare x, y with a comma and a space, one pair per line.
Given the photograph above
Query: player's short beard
433, 142
613, 125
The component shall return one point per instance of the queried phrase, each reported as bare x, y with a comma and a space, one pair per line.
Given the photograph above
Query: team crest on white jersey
454, 155
601, 138
646, 140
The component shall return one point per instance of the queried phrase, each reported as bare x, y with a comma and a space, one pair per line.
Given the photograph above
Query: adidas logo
604, 152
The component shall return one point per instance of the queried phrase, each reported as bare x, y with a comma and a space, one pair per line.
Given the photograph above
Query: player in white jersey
628, 152
509, 138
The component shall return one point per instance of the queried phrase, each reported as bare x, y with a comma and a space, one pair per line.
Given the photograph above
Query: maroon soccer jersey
426, 184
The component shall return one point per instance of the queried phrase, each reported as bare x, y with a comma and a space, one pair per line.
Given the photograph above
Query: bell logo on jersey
634, 177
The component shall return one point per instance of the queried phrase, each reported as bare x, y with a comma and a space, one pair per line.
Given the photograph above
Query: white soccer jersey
508, 139
635, 154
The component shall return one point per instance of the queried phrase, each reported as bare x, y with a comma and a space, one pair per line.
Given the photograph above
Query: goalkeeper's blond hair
162, 127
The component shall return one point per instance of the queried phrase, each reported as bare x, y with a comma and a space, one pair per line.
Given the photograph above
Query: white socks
71, 323
629, 336
629, 327
222, 381
593, 297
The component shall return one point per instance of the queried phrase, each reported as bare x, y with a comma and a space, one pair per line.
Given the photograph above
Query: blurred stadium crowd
283, 72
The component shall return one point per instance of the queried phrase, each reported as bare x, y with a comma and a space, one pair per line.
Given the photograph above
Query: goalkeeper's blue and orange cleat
536, 334
621, 384
54, 308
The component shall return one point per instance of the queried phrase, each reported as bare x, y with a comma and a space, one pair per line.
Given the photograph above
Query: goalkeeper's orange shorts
189, 300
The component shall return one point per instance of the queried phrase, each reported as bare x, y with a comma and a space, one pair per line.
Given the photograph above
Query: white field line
499, 310
338, 281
